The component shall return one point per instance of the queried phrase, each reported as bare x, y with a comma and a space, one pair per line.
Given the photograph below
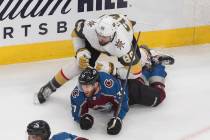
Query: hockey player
40, 130
101, 91
110, 34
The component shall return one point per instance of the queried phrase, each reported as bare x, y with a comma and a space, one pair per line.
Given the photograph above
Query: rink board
60, 49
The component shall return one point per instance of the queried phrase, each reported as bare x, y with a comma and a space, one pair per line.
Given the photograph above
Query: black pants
139, 93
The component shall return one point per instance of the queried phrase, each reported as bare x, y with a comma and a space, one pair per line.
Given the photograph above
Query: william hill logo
99, 5
12, 9
29, 8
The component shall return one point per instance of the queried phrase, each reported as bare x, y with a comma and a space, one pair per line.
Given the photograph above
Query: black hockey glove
86, 121
114, 126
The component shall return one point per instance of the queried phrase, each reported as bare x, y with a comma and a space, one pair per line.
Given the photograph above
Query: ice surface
184, 115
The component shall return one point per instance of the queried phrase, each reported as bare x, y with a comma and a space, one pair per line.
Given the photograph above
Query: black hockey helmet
40, 128
88, 76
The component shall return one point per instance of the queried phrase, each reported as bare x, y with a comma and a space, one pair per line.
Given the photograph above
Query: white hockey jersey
120, 46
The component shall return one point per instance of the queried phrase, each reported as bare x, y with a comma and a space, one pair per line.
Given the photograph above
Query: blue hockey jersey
66, 136
107, 98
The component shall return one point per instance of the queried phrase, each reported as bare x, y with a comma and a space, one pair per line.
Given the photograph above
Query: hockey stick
126, 79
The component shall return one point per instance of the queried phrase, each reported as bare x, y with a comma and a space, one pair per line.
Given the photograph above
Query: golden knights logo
119, 44
91, 23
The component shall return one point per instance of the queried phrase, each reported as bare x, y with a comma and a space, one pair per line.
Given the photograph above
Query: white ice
184, 115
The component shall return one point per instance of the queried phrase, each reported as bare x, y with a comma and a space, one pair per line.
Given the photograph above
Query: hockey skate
155, 57
44, 93
162, 59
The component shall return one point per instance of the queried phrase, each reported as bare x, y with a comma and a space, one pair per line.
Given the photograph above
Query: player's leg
148, 95
65, 74
155, 57
143, 94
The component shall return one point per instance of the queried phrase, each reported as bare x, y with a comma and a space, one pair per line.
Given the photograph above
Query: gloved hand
83, 56
114, 126
86, 121
105, 67
44, 93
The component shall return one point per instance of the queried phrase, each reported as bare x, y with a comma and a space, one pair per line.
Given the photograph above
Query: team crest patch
75, 93
91, 23
119, 44
108, 83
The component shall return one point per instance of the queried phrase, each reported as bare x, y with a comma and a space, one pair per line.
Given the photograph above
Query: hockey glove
114, 126
44, 93
86, 122
105, 66
83, 56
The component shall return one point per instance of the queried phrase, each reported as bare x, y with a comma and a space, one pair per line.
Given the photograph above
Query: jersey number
74, 108
127, 57
122, 21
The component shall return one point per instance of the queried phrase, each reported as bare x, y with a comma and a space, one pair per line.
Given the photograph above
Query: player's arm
105, 66
127, 44
78, 104
80, 110
124, 107
118, 96
79, 43
115, 124
126, 59
112, 88
77, 35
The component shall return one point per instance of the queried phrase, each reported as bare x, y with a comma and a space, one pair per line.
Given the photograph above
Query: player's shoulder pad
109, 84
77, 95
79, 25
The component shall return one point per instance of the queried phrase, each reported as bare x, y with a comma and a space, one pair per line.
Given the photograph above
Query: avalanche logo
108, 83
75, 93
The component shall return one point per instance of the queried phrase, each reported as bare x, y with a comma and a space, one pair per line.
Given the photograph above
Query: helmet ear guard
39, 128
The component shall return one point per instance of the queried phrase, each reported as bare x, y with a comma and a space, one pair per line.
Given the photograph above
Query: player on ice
40, 130
110, 34
102, 91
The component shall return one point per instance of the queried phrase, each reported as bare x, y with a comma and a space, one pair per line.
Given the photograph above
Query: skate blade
36, 100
